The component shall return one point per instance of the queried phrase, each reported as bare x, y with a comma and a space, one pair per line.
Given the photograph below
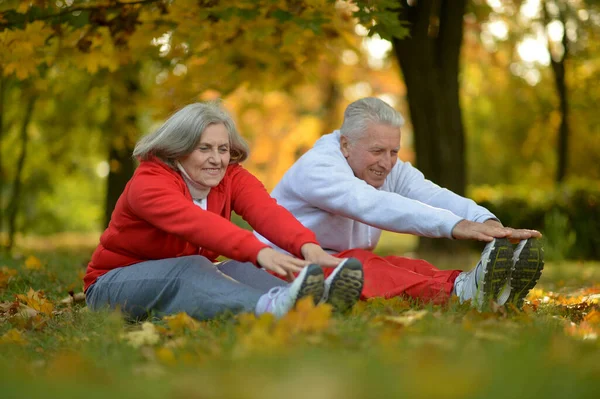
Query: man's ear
344, 144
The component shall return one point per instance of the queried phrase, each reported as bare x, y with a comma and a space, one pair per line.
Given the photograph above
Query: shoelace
273, 292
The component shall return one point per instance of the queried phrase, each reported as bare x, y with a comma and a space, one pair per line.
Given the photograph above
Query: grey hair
360, 114
180, 134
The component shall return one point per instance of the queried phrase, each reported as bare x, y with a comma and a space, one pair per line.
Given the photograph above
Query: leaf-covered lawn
52, 346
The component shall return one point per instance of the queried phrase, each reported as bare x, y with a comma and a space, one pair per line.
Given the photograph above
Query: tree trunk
2, 78
12, 208
123, 132
429, 60
558, 68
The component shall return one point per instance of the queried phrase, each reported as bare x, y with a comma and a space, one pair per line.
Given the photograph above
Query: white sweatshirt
345, 212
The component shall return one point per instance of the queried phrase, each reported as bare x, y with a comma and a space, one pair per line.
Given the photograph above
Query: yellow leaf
37, 301
305, 317
6, 275
33, 263
181, 322
23, 7
593, 317
165, 355
407, 318
13, 336
148, 335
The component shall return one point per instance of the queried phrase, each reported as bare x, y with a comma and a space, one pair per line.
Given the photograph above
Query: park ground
51, 346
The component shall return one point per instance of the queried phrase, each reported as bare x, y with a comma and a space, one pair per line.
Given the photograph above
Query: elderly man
350, 186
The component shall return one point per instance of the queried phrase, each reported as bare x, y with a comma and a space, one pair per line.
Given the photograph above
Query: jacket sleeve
329, 184
251, 201
409, 182
158, 199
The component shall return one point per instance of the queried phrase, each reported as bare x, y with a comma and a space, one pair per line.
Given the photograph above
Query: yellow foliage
266, 334
165, 355
148, 335
33, 263
305, 317
181, 322
5, 275
405, 319
593, 318
37, 301
13, 336
582, 331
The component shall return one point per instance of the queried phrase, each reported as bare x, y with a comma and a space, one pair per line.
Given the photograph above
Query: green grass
378, 351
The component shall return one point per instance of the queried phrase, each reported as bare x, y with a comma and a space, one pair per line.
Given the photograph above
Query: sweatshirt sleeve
409, 182
158, 199
252, 202
328, 183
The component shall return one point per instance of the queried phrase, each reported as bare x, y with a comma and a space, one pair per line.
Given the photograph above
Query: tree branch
20, 19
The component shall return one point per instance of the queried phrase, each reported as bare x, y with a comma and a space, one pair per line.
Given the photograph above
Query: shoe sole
346, 286
498, 270
526, 272
313, 284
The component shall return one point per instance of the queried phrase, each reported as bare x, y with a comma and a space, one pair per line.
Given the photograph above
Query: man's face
373, 156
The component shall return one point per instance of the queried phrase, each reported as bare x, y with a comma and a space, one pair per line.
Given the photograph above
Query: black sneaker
344, 286
528, 262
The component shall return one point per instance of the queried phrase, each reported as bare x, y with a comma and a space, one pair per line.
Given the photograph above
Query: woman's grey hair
180, 134
366, 111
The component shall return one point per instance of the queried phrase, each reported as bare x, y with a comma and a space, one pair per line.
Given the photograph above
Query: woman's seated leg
190, 284
247, 273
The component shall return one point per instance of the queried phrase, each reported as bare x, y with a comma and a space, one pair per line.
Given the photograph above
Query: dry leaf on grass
33, 263
181, 322
13, 336
37, 301
148, 335
405, 319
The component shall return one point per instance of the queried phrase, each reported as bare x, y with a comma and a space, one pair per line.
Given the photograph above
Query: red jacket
155, 218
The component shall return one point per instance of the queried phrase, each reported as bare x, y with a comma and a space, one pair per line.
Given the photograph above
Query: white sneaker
344, 286
280, 300
491, 274
527, 265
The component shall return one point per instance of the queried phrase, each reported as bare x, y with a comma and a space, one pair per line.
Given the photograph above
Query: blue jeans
191, 284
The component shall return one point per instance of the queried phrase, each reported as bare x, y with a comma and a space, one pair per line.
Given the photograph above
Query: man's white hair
362, 113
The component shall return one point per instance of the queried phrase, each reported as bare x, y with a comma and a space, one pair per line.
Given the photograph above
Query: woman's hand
315, 254
280, 263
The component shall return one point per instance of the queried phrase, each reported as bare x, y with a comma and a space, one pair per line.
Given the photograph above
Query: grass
383, 349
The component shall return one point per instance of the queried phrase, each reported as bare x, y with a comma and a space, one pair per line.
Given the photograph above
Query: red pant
392, 276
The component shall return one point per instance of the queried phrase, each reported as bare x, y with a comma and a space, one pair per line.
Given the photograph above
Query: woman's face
206, 165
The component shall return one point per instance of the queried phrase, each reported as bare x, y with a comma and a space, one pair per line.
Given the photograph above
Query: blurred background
500, 99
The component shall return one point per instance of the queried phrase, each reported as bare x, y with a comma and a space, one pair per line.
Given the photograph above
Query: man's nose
386, 161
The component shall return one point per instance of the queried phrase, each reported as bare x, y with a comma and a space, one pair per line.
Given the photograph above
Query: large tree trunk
12, 208
2, 78
558, 67
429, 60
123, 132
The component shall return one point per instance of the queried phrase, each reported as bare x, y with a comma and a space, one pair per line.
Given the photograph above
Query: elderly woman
172, 221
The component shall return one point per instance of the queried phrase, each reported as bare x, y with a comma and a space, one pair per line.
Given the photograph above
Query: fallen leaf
37, 301
593, 317
146, 336
181, 322
405, 319
33, 263
13, 336
6, 275
165, 356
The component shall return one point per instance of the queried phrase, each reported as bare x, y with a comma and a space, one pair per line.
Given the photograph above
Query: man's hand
515, 235
280, 263
315, 254
490, 229
467, 230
